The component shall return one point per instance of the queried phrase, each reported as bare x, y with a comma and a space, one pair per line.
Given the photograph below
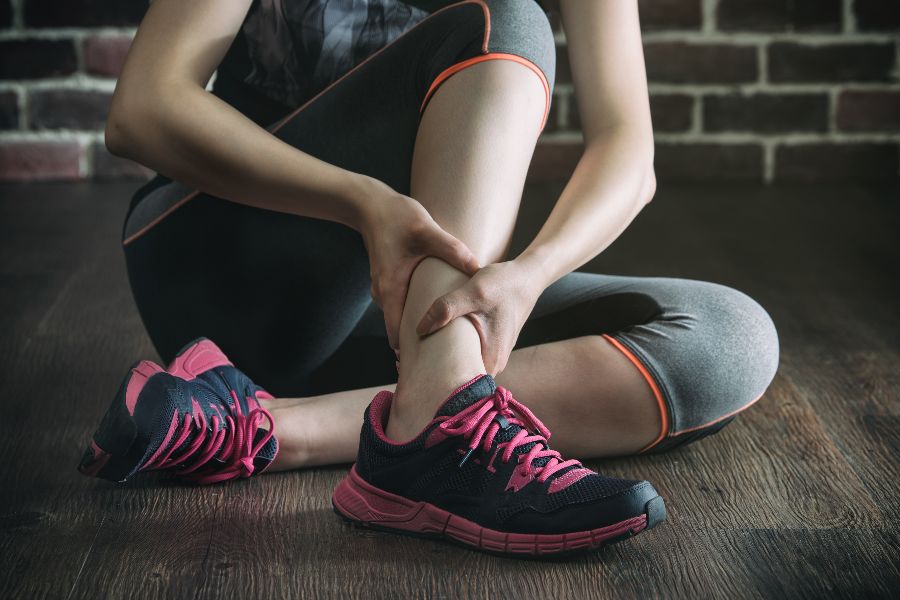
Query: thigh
708, 351
281, 293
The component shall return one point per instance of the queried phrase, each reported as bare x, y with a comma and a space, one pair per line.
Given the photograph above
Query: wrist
363, 197
538, 267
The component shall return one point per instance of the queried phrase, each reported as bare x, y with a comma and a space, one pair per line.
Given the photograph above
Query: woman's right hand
399, 233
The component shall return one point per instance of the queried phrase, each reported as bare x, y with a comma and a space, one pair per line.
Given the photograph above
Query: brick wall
757, 90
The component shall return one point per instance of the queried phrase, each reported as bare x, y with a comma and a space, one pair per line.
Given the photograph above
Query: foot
200, 419
482, 473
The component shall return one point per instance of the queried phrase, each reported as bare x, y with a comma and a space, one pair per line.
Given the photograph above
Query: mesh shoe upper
206, 430
485, 457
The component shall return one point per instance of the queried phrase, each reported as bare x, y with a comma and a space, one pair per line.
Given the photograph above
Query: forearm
611, 183
199, 140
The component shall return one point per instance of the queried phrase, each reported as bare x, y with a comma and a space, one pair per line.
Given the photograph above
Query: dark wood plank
796, 498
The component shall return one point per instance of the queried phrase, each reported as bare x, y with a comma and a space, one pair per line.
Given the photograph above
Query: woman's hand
399, 233
498, 300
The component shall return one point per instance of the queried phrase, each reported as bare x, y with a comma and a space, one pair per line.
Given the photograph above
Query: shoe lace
482, 421
228, 439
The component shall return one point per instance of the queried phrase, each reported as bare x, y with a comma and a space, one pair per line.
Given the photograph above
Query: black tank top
289, 50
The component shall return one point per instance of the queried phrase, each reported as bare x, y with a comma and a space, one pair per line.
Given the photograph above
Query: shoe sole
112, 453
363, 504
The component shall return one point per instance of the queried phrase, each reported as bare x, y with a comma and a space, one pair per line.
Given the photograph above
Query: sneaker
199, 359
199, 419
482, 474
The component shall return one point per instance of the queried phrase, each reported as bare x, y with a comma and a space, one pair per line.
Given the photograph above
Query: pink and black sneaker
482, 473
200, 419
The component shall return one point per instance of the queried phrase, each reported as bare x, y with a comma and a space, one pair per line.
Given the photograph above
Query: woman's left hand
497, 299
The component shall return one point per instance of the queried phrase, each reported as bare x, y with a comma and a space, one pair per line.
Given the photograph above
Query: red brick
39, 161
83, 13
554, 161
108, 167
68, 109
9, 110
681, 62
706, 161
790, 62
104, 55
670, 14
779, 15
671, 112
34, 59
766, 113
877, 15
869, 110
837, 161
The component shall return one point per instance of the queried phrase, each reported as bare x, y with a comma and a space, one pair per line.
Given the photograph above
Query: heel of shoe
111, 453
197, 357
358, 501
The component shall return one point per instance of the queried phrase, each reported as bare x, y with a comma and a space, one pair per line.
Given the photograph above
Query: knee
522, 28
756, 331
741, 348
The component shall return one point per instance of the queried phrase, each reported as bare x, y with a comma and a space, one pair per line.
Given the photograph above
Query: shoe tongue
467, 395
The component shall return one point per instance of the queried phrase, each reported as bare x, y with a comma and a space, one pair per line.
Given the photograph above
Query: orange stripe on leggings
661, 403
492, 56
722, 418
274, 129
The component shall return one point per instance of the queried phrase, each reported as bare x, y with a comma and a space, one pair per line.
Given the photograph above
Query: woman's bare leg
593, 400
472, 153
473, 148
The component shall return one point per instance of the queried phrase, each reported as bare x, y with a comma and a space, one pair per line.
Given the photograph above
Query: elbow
120, 136
126, 126
116, 136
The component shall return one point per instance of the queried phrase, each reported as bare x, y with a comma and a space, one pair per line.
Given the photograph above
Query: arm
614, 178
163, 117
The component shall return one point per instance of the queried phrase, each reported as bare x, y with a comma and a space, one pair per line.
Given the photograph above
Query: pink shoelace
483, 420
228, 439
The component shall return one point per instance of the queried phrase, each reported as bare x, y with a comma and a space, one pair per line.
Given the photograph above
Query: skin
440, 254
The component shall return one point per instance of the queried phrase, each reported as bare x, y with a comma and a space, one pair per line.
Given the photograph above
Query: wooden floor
797, 498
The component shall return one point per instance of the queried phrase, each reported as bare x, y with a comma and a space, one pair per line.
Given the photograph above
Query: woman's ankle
293, 443
417, 400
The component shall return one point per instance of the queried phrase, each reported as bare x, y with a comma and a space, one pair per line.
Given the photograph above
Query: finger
453, 252
443, 310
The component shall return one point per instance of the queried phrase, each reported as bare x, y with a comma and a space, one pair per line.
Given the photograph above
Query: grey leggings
287, 297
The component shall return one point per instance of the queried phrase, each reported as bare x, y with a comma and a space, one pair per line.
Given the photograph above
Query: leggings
288, 297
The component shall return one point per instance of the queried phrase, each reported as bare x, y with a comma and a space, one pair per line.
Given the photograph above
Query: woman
344, 196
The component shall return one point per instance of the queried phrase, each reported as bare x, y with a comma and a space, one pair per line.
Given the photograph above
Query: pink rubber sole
365, 504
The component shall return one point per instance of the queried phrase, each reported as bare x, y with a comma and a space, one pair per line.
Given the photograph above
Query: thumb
443, 310
453, 252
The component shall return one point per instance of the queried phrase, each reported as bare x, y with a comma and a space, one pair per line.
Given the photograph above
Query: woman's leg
708, 350
590, 396
472, 152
